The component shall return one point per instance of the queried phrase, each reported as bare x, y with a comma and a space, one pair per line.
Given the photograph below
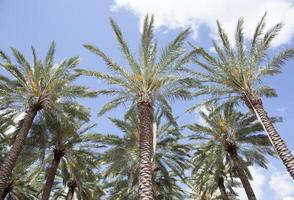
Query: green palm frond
162, 76
211, 159
239, 68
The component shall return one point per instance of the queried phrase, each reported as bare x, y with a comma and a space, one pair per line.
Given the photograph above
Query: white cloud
288, 198
283, 185
278, 181
173, 14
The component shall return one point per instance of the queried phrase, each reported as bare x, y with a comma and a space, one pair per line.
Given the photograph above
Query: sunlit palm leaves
155, 73
233, 70
223, 126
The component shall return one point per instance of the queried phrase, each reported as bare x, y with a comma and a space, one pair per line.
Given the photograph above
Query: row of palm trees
53, 152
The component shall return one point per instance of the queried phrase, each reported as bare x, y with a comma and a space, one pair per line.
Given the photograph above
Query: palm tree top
39, 83
236, 70
225, 126
151, 77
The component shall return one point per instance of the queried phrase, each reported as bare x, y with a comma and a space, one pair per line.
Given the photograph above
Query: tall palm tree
122, 163
149, 81
37, 86
235, 74
236, 136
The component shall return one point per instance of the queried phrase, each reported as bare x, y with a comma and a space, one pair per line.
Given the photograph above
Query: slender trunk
58, 153
222, 188
278, 143
7, 190
71, 190
11, 158
240, 171
146, 149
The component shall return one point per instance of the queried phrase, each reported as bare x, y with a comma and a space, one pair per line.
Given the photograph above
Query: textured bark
254, 102
11, 158
7, 190
71, 189
231, 148
58, 153
146, 149
222, 188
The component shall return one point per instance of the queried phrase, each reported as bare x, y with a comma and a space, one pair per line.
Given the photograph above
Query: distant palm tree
122, 163
78, 171
234, 136
149, 82
212, 174
85, 187
73, 148
37, 86
80, 184
235, 74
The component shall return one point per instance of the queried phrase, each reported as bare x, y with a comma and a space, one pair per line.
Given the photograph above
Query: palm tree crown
236, 74
44, 84
228, 132
151, 77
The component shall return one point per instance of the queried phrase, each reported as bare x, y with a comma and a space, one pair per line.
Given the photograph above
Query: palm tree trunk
278, 143
71, 190
222, 188
231, 149
58, 153
7, 190
11, 158
145, 112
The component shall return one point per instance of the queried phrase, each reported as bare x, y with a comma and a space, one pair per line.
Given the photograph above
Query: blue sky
72, 23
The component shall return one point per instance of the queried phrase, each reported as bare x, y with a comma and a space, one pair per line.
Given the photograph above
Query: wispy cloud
279, 181
173, 14
283, 185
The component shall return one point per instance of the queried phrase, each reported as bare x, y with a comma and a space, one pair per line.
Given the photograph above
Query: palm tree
78, 171
211, 174
237, 137
150, 81
37, 86
122, 163
235, 74
73, 147
82, 183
